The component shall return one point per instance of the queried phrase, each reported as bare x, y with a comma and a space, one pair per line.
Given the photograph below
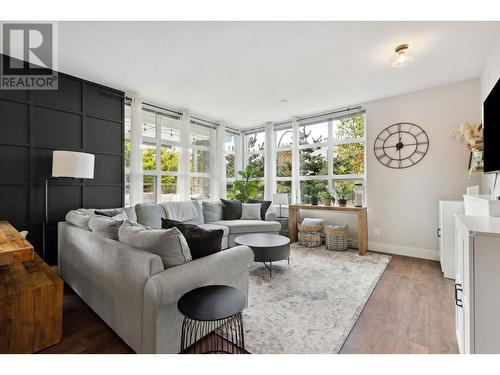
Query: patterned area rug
311, 305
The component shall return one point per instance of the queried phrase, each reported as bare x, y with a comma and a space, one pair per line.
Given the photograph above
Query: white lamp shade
280, 198
72, 164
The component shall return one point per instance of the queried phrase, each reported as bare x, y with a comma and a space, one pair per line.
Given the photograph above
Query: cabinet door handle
458, 301
438, 232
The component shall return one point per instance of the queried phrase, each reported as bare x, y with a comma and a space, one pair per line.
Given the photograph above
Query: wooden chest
31, 297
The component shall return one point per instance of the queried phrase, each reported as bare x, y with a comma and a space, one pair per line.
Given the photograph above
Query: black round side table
212, 320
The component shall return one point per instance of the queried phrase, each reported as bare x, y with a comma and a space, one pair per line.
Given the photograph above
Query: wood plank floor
410, 311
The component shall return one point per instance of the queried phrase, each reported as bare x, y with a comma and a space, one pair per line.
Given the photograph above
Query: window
199, 161
160, 156
331, 156
284, 145
230, 144
313, 159
255, 146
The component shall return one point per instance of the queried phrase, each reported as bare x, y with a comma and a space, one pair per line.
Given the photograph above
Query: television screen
491, 130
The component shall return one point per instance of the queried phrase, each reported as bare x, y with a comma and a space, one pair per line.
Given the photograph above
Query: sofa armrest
168, 286
271, 215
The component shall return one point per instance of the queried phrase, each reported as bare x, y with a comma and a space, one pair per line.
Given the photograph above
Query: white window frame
249, 153
158, 142
236, 140
286, 128
192, 149
331, 142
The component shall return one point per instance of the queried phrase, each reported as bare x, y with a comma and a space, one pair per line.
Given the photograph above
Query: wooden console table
31, 297
294, 220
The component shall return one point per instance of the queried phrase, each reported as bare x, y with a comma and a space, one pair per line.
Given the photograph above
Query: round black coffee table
267, 247
212, 320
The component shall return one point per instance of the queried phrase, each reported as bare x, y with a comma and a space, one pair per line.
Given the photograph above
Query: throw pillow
105, 226
311, 222
250, 211
212, 211
202, 242
78, 218
264, 207
169, 244
109, 213
231, 210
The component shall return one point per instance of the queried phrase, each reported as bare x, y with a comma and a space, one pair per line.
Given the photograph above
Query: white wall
403, 203
490, 76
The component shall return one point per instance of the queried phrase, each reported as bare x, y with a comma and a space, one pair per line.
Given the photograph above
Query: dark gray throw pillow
264, 206
108, 213
231, 210
201, 242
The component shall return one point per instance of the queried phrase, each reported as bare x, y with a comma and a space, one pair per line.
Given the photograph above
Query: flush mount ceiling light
401, 58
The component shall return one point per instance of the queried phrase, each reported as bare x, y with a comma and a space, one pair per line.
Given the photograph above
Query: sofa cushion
263, 208
202, 242
250, 226
212, 211
149, 214
231, 210
105, 226
169, 244
250, 211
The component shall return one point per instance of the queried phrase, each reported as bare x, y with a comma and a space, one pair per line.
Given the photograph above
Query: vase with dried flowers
471, 135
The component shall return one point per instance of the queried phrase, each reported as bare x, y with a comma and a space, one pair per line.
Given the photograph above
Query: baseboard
415, 252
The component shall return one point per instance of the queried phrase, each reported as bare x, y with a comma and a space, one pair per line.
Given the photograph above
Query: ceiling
240, 72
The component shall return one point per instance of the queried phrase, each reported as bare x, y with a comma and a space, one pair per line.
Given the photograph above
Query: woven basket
336, 237
310, 239
309, 228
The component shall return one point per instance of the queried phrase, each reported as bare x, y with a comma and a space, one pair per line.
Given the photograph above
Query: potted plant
342, 189
312, 191
247, 187
328, 198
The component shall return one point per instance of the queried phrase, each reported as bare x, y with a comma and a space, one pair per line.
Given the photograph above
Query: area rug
311, 305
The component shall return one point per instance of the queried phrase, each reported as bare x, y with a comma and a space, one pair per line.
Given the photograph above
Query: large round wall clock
401, 145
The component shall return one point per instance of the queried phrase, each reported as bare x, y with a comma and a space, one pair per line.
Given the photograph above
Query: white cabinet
446, 235
477, 276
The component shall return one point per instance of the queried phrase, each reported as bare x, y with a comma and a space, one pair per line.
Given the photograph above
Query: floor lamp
66, 164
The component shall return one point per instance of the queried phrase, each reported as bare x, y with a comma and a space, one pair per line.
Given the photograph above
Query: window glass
313, 134
229, 142
168, 188
349, 127
284, 164
311, 188
284, 138
256, 141
169, 129
148, 124
148, 189
348, 158
313, 162
169, 159
230, 166
257, 161
200, 187
148, 157
284, 187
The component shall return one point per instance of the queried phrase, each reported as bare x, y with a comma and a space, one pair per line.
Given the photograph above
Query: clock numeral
422, 132
411, 160
399, 128
379, 148
400, 164
388, 131
381, 156
388, 162
420, 152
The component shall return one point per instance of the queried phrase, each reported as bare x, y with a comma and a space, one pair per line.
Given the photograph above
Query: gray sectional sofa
132, 291
209, 216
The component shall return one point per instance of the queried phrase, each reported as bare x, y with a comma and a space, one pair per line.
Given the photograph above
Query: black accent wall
79, 116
